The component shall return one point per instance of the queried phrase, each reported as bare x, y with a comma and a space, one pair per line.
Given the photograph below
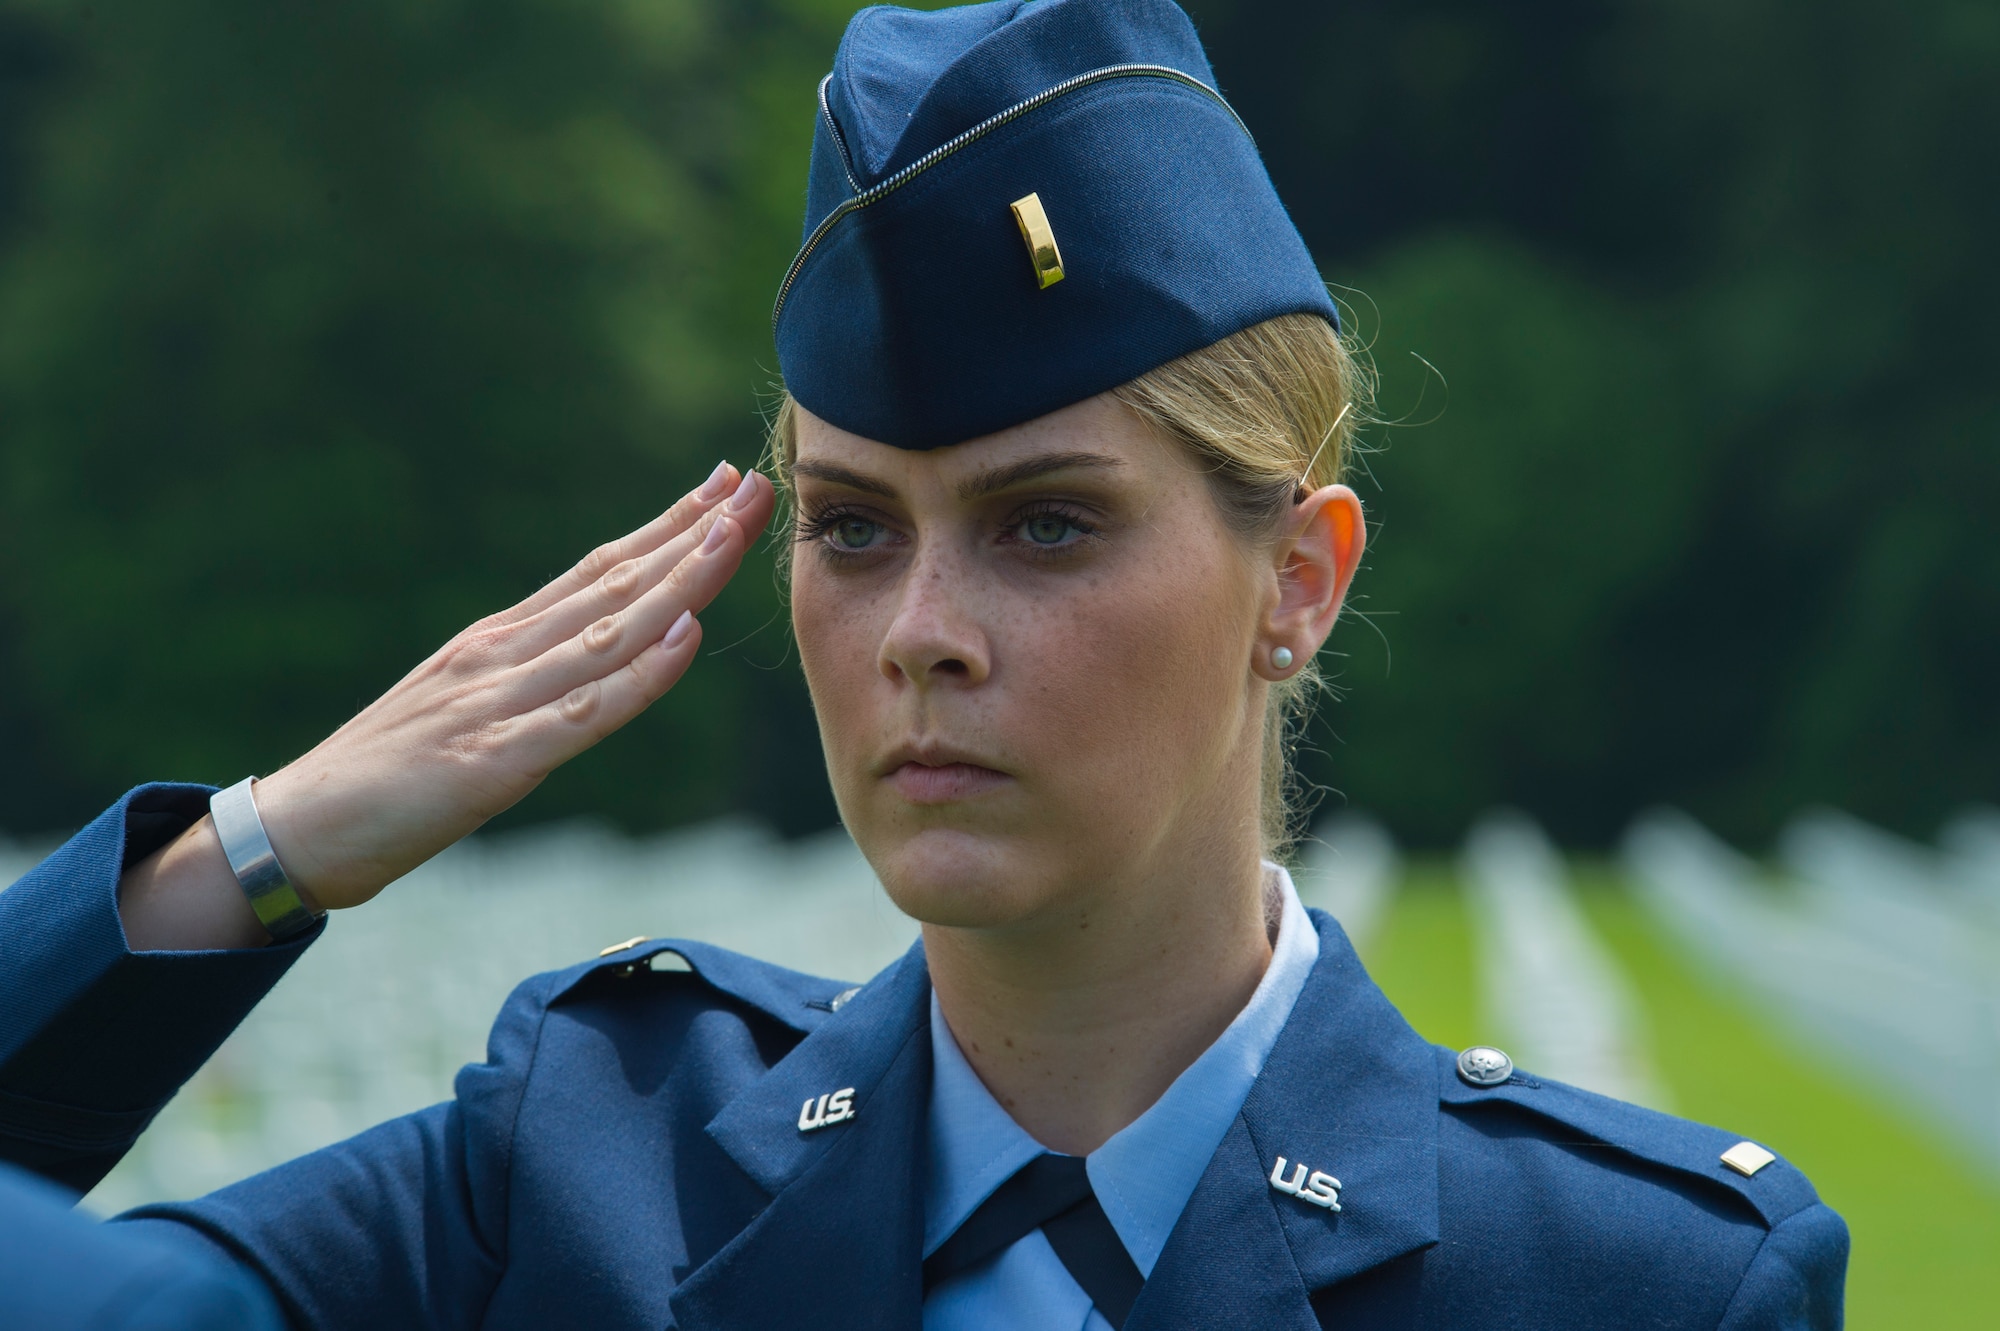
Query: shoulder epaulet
797, 1000
1774, 1188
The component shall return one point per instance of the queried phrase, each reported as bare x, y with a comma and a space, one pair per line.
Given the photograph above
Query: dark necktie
1050, 1193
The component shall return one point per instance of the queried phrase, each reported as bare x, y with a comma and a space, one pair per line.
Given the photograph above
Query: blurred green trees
1706, 517
325, 329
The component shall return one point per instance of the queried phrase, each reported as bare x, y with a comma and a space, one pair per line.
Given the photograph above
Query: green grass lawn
1925, 1218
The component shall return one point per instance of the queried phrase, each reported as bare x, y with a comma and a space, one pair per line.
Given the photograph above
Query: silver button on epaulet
1483, 1065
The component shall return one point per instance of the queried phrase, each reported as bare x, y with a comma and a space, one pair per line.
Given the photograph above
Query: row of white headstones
1883, 955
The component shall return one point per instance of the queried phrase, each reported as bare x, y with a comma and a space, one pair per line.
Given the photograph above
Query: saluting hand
470, 731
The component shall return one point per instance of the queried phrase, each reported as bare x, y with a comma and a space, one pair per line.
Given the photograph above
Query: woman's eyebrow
852, 480
1028, 469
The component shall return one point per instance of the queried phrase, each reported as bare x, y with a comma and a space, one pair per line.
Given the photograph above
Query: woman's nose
935, 638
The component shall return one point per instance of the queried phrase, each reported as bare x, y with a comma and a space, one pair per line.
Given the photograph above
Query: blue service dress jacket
631, 1154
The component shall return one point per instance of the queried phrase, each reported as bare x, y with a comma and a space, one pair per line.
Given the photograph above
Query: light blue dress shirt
1143, 1176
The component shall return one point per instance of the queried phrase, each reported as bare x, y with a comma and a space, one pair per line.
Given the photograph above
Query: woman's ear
1316, 559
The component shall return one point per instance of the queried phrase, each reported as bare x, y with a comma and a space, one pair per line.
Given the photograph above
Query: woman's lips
946, 783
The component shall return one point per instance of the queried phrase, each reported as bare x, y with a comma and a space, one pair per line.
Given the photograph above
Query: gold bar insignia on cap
1035, 230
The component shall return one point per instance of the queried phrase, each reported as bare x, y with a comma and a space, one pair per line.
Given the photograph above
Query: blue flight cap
1019, 205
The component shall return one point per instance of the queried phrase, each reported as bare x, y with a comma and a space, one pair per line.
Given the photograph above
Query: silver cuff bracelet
255, 864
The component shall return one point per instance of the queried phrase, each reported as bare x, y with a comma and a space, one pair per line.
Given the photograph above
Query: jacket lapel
1227, 1263
1349, 1090
839, 1245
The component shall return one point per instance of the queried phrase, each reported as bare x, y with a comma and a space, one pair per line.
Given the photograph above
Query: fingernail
678, 633
744, 492
717, 481
717, 534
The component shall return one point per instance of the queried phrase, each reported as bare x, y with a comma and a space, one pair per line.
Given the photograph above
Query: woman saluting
1068, 408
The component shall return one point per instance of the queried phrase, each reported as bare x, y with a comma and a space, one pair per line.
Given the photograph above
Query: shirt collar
974, 1144
1145, 1173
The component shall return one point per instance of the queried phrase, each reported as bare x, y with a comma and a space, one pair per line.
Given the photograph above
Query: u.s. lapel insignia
1306, 1184
832, 1108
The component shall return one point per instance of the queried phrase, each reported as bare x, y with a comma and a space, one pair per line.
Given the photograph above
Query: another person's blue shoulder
59, 1270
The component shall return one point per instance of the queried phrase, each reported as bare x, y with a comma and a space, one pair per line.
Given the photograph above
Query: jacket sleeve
94, 1037
1797, 1281
60, 1271
402, 1225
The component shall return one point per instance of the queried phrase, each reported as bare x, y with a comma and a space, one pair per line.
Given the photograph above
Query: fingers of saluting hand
615, 664
473, 729
593, 567
612, 606
596, 707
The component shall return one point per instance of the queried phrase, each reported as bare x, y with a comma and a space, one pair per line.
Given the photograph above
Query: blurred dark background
325, 329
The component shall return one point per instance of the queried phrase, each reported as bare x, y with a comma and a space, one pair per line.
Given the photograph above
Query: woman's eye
1046, 529
854, 533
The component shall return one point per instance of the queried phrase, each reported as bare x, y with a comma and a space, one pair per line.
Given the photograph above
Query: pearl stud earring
1281, 658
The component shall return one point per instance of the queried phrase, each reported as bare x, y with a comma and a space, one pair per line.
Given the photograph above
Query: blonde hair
1266, 413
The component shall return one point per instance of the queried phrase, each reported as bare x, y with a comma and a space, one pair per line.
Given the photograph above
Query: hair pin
1313, 461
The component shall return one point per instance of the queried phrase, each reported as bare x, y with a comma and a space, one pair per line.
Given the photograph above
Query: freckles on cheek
1142, 675
837, 652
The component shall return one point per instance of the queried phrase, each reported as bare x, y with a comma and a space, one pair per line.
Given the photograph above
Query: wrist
310, 819
280, 906
183, 898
